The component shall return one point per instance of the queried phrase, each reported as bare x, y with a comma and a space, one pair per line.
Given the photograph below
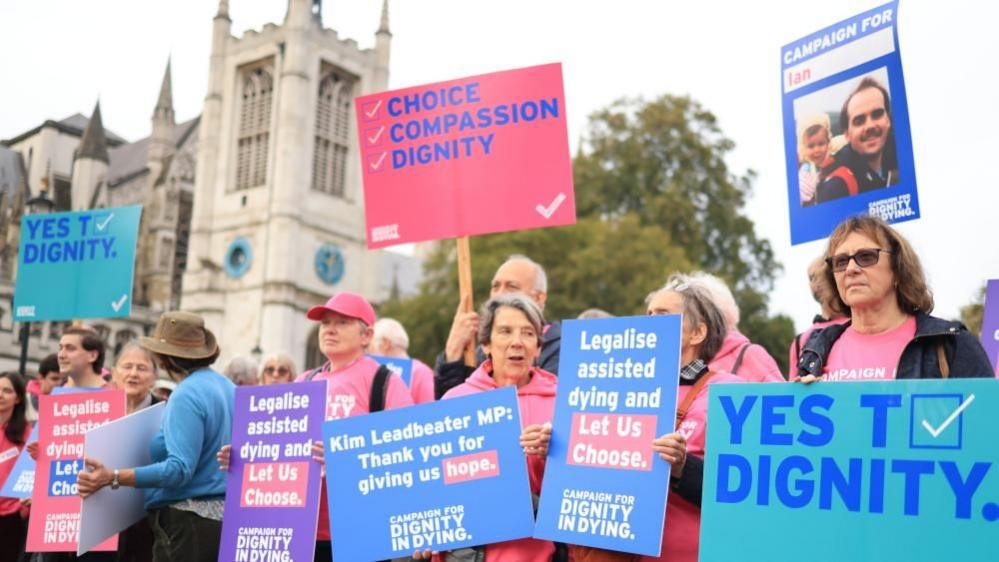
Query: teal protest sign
76, 265
852, 471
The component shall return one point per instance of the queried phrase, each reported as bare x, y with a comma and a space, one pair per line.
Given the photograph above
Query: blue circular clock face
237, 258
329, 264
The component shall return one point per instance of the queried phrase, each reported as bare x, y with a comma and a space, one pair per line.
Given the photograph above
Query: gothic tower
278, 221
90, 165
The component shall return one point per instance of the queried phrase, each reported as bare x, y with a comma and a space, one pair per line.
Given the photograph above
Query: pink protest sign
55, 506
482, 154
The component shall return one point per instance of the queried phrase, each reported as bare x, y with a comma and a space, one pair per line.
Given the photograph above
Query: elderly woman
277, 368
14, 430
242, 371
183, 486
880, 285
701, 337
510, 335
135, 373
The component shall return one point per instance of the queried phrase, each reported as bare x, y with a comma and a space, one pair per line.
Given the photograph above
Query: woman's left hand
535, 438
672, 448
89, 481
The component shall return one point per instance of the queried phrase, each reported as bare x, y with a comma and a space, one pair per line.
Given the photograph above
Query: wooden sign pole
465, 289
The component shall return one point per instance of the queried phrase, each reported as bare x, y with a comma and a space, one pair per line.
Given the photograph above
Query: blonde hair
810, 126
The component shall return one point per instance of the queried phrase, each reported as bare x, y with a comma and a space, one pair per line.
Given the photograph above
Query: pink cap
348, 304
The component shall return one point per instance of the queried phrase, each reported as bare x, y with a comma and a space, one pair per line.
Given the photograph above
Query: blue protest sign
604, 487
402, 366
847, 139
272, 493
76, 265
893, 470
22, 475
990, 323
437, 476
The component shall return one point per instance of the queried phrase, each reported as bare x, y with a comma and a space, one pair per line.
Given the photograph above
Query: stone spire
164, 105
161, 139
94, 143
223, 9
383, 26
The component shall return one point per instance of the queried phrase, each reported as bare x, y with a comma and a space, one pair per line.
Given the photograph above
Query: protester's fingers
94, 464
809, 379
319, 452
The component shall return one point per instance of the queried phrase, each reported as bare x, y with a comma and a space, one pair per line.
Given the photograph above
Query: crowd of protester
874, 324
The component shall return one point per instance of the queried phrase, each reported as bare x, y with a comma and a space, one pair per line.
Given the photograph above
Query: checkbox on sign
375, 136
99, 224
371, 110
937, 420
377, 162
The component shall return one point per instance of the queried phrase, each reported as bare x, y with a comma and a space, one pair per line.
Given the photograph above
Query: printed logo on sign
26, 311
383, 233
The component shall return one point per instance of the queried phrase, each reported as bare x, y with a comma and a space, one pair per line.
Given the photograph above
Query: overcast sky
59, 56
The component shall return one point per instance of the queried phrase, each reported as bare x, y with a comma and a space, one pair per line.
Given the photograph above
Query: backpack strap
797, 346
846, 176
376, 402
312, 373
738, 360
688, 400
942, 361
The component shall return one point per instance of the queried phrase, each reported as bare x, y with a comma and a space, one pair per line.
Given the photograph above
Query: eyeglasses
864, 258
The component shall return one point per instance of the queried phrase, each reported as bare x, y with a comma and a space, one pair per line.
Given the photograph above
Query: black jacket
449, 374
849, 163
920, 359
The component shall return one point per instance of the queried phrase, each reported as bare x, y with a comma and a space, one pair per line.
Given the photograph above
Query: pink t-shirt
802, 340
868, 357
682, 531
348, 391
421, 383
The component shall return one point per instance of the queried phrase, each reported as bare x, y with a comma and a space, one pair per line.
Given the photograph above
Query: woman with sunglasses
880, 286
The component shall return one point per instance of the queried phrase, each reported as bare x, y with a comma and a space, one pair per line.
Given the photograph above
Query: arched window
254, 128
329, 158
313, 356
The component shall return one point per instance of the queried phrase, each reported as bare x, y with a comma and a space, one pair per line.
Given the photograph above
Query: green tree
972, 314
654, 195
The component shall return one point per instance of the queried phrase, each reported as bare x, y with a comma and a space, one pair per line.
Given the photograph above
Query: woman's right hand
809, 379
223, 457
32, 450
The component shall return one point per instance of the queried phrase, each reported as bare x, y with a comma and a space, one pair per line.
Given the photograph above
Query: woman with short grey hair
510, 334
518, 301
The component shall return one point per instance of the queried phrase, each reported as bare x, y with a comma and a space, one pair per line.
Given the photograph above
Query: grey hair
519, 301
720, 294
392, 331
698, 308
241, 369
279, 358
134, 345
540, 277
594, 313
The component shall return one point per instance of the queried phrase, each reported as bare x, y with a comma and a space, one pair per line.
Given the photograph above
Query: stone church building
252, 212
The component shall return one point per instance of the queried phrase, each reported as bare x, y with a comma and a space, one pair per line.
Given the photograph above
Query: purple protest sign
272, 494
990, 323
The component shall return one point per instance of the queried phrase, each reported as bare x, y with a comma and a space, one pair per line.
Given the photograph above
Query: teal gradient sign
76, 265
895, 470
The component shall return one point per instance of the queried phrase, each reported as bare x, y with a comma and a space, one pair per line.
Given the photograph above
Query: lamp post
37, 205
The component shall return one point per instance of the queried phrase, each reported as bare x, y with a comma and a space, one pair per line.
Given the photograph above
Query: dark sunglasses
864, 258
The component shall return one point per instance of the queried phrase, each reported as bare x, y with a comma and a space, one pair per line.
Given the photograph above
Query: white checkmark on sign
101, 225
548, 211
377, 136
378, 164
116, 305
374, 110
950, 419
